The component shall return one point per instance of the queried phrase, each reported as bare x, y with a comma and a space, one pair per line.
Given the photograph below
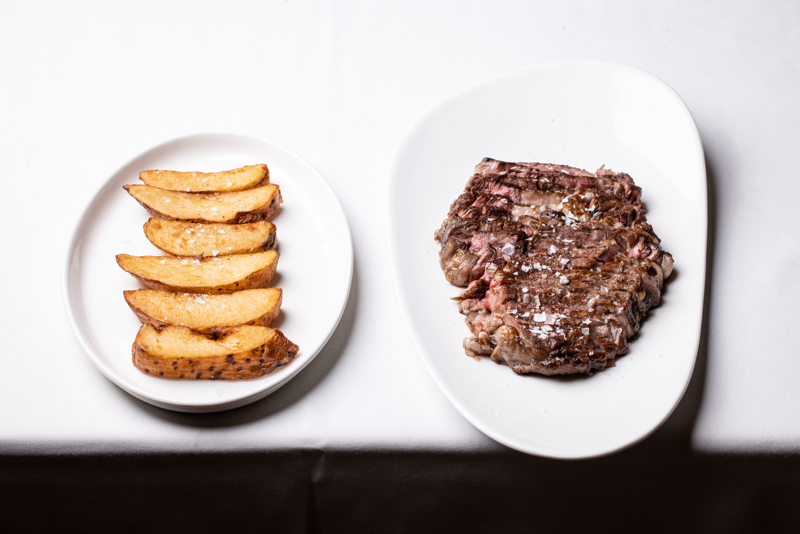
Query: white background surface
83, 88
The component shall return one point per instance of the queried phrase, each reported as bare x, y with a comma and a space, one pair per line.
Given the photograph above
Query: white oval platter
584, 114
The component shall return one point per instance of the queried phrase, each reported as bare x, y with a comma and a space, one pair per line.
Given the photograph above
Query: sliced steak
560, 265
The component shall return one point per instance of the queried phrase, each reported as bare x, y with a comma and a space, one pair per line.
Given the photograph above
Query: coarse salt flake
230, 184
524, 289
508, 249
540, 317
184, 262
162, 262
552, 249
563, 280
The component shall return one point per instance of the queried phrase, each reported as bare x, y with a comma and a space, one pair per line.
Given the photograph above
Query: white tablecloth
87, 86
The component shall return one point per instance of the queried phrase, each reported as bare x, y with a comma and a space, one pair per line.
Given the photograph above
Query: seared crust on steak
560, 265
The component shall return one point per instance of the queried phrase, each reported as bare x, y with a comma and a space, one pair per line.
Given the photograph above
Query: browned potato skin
263, 213
178, 181
265, 320
172, 245
255, 280
243, 365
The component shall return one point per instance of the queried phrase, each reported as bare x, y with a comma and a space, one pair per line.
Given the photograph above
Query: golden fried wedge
230, 353
235, 180
181, 238
214, 275
201, 312
235, 207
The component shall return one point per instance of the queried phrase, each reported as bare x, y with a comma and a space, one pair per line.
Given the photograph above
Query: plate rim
208, 405
405, 306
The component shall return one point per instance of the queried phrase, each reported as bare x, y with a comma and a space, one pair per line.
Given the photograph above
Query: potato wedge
213, 275
239, 179
234, 207
181, 238
230, 353
201, 312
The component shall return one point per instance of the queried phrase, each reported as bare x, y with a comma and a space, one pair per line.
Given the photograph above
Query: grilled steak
560, 265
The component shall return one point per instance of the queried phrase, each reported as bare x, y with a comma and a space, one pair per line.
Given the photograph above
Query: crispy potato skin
243, 365
255, 280
265, 320
199, 351
174, 245
263, 213
240, 179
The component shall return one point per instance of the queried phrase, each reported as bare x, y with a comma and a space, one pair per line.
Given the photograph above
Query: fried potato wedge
251, 205
237, 352
213, 275
181, 238
197, 182
201, 312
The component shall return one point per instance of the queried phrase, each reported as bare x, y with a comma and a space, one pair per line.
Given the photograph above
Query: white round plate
314, 269
583, 114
